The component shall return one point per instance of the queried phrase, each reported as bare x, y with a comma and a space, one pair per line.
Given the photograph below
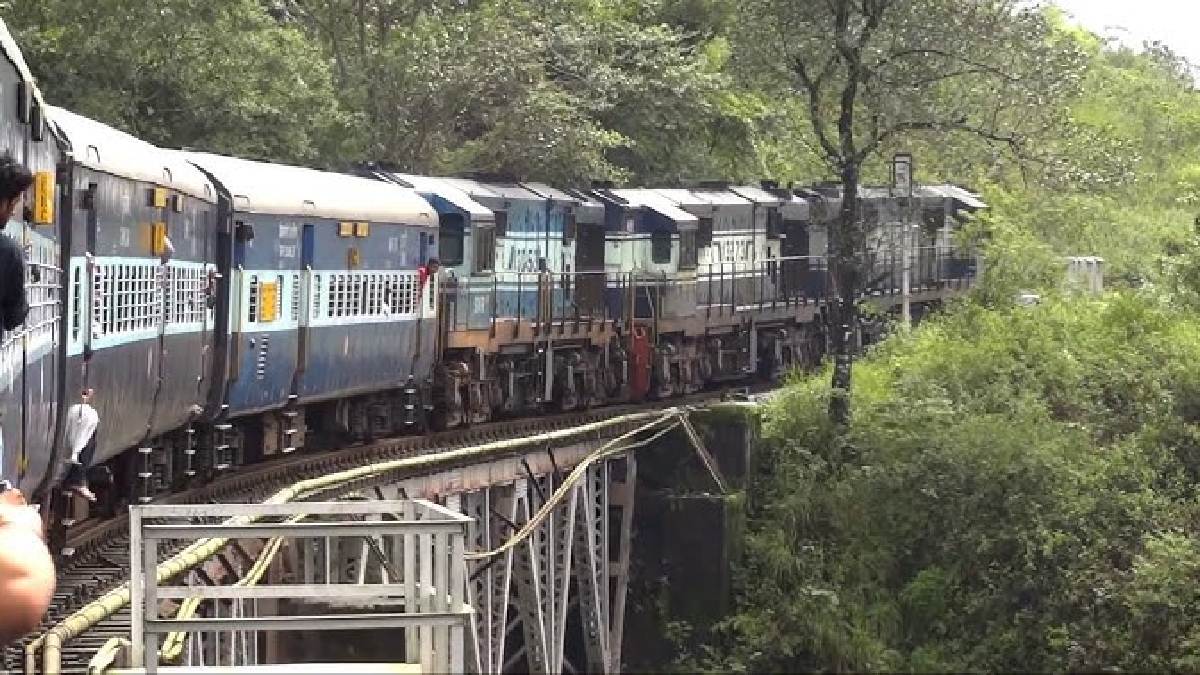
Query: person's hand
13, 497
27, 574
16, 513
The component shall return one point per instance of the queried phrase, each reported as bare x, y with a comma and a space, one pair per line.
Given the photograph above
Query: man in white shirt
80, 437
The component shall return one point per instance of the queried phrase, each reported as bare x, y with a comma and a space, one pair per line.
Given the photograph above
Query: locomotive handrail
724, 286
564, 288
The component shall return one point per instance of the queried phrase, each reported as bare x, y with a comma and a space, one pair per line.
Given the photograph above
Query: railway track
100, 559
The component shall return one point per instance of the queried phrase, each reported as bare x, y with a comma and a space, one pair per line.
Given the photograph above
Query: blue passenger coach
139, 302
30, 355
324, 301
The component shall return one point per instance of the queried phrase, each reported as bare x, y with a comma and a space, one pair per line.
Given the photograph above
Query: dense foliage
1017, 488
564, 90
1016, 493
877, 73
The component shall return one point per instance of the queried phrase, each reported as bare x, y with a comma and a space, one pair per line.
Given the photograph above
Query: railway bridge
498, 549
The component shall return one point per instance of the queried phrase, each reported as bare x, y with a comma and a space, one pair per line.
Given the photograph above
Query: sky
1176, 23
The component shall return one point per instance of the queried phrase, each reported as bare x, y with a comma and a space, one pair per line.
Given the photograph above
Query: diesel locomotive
225, 310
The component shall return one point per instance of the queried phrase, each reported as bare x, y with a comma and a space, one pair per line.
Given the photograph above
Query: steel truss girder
528, 588
591, 567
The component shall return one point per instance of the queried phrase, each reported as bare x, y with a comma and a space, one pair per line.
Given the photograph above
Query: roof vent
488, 176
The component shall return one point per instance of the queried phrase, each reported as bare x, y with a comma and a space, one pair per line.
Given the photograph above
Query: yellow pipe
107, 654
607, 450
173, 645
98, 610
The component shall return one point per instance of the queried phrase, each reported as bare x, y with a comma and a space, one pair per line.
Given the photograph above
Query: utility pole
902, 188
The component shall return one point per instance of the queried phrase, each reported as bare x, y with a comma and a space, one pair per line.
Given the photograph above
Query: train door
160, 225
88, 269
589, 267
308, 244
426, 241
794, 248
446, 300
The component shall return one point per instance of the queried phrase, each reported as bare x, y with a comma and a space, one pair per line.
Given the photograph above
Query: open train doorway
794, 249
589, 268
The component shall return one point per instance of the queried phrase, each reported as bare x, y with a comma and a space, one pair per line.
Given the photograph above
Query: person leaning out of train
429, 269
14, 181
80, 437
26, 568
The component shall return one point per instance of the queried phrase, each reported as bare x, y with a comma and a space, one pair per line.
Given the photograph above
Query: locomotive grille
260, 361
295, 297
252, 303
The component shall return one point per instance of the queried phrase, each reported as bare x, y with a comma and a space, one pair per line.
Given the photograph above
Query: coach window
450, 240
485, 249
687, 250
660, 248
704, 233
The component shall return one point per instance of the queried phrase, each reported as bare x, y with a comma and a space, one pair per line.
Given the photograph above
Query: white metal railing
422, 543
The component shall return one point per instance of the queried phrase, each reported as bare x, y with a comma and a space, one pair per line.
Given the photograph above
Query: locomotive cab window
485, 249
687, 250
660, 248
450, 240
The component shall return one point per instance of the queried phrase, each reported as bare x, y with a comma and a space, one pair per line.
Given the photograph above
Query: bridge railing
422, 577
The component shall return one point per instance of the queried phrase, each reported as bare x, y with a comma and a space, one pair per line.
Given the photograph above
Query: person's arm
13, 306
26, 569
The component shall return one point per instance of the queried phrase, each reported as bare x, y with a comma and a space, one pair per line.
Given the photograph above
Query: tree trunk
844, 275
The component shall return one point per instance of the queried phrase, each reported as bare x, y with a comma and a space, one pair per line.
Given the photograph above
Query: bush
1014, 493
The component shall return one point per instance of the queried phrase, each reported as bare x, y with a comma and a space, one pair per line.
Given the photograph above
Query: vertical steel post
150, 577
137, 588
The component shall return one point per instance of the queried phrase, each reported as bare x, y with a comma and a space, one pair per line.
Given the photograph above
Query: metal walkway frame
426, 538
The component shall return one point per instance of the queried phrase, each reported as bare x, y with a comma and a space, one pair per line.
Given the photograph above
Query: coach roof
654, 201
441, 189
112, 151
280, 189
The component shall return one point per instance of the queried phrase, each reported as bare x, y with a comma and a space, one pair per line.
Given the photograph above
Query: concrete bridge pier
688, 537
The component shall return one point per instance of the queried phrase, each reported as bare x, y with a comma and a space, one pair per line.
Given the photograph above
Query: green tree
220, 76
875, 71
566, 91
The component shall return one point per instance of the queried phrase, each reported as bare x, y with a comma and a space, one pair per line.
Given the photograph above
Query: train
225, 311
